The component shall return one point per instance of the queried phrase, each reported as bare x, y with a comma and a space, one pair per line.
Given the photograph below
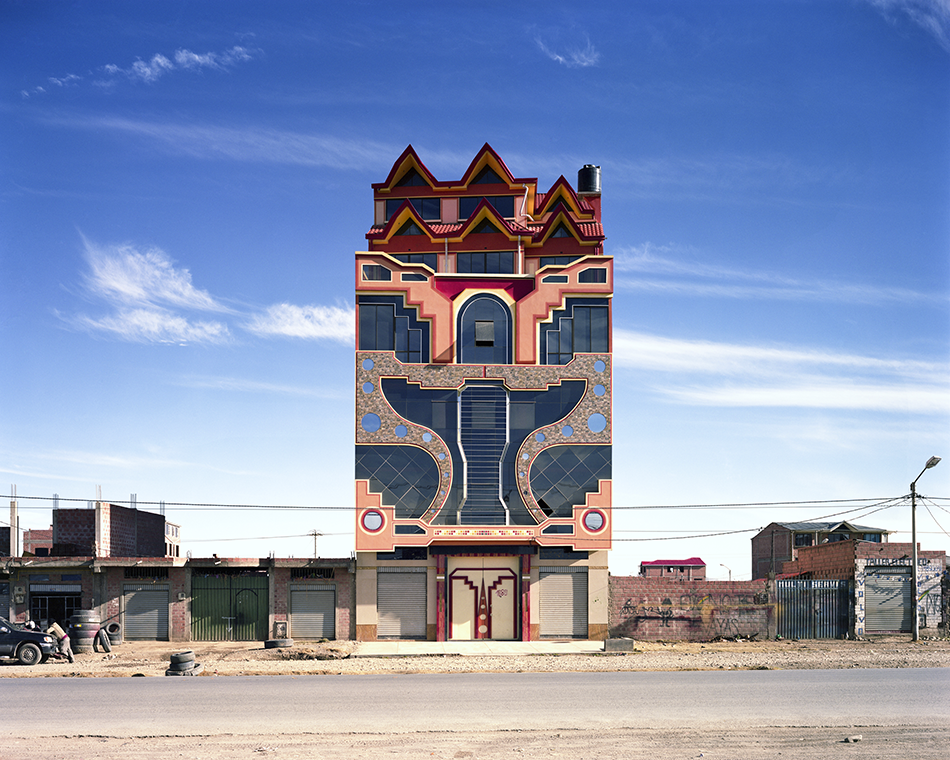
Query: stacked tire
83, 629
183, 664
114, 632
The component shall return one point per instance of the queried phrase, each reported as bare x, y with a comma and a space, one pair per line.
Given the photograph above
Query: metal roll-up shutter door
401, 603
146, 612
563, 602
887, 600
312, 611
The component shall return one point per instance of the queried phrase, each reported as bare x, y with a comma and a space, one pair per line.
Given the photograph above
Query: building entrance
483, 598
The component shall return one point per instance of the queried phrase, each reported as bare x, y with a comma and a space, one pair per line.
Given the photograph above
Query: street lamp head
932, 462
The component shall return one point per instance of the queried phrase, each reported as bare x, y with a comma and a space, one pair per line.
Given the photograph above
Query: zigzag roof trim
485, 156
562, 188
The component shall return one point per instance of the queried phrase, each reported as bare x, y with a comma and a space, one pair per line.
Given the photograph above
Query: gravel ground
305, 658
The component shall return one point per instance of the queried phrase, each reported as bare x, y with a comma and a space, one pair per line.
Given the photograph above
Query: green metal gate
229, 606
813, 609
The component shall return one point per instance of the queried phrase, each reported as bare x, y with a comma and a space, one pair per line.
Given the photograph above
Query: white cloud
155, 326
153, 69
933, 16
154, 301
729, 374
330, 322
130, 276
681, 274
266, 145
574, 57
242, 385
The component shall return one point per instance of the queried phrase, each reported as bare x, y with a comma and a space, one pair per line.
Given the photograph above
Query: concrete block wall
657, 609
134, 532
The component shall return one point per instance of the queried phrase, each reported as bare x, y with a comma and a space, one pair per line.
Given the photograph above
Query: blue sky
183, 185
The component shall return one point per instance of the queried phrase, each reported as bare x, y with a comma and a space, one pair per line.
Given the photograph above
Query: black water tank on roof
588, 179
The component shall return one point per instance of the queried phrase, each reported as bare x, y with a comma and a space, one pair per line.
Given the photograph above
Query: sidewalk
473, 648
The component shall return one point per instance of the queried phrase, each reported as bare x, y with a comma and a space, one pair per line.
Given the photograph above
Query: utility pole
932, 462
316, 534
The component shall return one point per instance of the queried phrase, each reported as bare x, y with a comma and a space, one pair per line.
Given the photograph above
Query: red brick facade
658, 609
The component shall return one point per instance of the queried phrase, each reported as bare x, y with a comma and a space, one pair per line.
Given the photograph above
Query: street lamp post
932, 462
730, 571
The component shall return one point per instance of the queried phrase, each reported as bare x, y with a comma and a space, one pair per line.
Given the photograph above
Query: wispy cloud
728, 374
676, 270
152, 300
152, 69
572, 56
331, 322
243, 385
252, 144
130, 276
933, 16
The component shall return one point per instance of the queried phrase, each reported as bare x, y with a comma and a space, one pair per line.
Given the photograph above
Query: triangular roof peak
561, 190
407, 162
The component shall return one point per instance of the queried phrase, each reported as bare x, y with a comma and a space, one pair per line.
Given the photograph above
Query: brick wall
657, 609
74, 532
770, 548
834, 561
134, 532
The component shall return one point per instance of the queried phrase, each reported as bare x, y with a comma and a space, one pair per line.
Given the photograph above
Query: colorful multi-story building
483, 407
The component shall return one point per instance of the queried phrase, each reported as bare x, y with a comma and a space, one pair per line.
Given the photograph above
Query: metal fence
814, 609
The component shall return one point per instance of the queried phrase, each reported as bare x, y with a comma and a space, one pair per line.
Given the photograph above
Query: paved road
407, 703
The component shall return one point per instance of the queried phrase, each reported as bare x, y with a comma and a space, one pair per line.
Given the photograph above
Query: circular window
599, 366
367, 387
597, 422
525, 456
401, 431
539, 438
599, 390
427, 437
370, 422
594, 521
567, 431
372, 521
441, 455
368, 364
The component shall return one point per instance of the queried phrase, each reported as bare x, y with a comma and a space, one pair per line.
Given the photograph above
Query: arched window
484, 331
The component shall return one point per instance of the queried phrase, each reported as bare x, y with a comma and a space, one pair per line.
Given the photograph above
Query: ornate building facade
483, 407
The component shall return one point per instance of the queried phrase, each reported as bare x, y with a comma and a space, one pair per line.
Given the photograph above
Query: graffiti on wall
694, 614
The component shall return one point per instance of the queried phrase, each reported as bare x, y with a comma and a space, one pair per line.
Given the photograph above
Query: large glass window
485, 262
428, 259
412, 178
406, 476
387, 325
558, 261
377, 273
429, 209
583, 327
562, 476
503, 204
597, 274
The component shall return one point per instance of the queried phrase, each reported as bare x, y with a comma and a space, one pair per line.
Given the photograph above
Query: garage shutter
887, 600
563, 602
146, 612
312, 611
401, 603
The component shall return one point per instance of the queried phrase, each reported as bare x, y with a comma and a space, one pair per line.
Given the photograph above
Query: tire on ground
278, 643
182, 666
103, 638
29, 654
180, 657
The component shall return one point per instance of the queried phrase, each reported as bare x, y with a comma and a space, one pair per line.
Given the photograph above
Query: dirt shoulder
148, 658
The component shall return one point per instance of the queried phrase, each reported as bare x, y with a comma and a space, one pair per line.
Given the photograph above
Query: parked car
27, 647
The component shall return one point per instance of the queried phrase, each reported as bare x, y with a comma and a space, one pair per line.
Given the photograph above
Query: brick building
778, 543
111, 530
692, 569
881, 576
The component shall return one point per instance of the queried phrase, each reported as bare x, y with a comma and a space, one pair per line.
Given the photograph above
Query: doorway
483, 598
